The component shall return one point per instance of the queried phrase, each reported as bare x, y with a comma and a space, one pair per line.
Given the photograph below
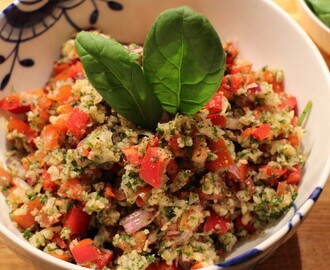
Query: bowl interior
264, 34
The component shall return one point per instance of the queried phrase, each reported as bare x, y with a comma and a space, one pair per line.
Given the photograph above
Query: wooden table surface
308, 248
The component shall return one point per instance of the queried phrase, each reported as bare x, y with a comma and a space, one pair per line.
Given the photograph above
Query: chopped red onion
137, 220
233, 169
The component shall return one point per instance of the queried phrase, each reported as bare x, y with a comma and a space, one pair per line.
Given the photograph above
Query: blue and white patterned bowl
32, 31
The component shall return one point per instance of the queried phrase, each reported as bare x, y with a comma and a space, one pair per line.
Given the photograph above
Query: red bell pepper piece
239, 225
289, 103
47, 183
103, 259
77, 220
21, 127
50, 136
294, 176
215, 103
13, 105
164, 266
217, 120
224, 159
153, 166
262, 132
216, 224
131, 154
77, 122
84, 251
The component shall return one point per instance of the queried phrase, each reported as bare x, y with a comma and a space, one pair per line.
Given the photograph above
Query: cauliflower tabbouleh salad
88, 186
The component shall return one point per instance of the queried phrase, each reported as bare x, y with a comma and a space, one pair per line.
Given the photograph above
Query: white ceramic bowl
318, 31
31, 33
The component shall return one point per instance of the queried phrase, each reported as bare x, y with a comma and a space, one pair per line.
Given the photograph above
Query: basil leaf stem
119, 78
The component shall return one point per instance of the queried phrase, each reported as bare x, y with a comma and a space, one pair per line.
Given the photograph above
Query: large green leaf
118, 77
183, 60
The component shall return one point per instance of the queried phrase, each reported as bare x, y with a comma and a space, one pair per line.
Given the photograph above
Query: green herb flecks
119, 78
183, 60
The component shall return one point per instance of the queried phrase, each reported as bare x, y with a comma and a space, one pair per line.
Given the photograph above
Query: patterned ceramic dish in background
31, 33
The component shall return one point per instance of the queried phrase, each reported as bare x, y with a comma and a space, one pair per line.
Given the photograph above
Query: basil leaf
325, 18
117, 76
184, 60
321, 8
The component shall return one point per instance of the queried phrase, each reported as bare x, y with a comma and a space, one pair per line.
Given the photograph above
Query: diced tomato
6, 175
273, 173
153, 166
243, 169
278, 87
231, 52
164, 266
217, 120
76, 70
197, 265
208, 197
59, 241
144, 194
21, 127
294, 140
27, 220
72, 71
59, 67
131, 154
269, 77
233, 82
282, 187
85, 252
239, 225
50, 136
249, 185
154, 142
77, 220
35, 157
224, 159
85, 242
294, 176
103, 259
65, 256
239, 68
63, 94
173, 142
18, 125
289, 103
238, 172
77, 122
43, 106
109, 191
152, 266
64, 109
47, 183
61, 123
172, 167
215, 103
216, 224
262, 132
13, 105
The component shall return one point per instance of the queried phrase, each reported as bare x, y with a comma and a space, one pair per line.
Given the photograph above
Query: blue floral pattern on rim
31, 18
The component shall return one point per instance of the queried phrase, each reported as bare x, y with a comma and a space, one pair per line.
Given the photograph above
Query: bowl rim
285, 229
312, 15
